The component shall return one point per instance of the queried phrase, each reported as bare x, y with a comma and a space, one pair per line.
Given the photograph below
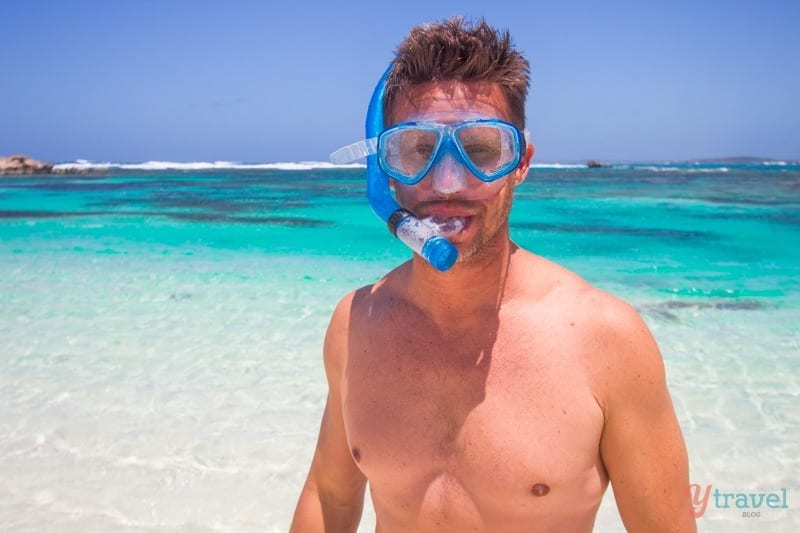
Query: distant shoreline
19, 165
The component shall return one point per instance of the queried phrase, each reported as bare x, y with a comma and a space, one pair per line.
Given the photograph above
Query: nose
449, 175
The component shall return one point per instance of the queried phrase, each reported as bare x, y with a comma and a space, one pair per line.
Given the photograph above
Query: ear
524, 164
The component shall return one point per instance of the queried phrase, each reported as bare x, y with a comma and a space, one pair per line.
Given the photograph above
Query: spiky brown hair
457, 50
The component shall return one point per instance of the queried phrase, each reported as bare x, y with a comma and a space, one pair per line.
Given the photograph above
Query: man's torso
490, 424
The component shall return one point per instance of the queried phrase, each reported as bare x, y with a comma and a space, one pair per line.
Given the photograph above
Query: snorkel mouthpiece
421, 238
418, 236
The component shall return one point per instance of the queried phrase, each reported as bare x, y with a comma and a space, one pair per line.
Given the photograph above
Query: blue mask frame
447, 141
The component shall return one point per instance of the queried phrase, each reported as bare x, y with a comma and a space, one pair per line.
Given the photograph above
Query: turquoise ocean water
161, 329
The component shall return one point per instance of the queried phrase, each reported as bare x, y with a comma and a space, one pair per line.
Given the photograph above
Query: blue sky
289, 81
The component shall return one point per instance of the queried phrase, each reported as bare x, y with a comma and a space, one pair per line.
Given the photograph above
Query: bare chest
473, 424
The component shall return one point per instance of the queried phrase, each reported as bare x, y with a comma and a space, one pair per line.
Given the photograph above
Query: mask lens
406, 152
491, 148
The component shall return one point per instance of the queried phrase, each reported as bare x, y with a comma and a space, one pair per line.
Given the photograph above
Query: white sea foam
203, 165
557, 165
689, 170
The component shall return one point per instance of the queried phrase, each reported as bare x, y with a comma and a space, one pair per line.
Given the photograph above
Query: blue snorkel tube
434, 248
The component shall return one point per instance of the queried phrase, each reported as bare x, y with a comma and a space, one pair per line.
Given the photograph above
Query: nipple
540, 489
444, 226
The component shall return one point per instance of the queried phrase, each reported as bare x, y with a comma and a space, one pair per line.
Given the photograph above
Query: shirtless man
505, 393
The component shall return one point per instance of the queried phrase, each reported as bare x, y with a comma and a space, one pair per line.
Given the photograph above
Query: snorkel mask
488, 149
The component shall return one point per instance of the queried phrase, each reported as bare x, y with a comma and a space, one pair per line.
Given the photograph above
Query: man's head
466, 82
456, 51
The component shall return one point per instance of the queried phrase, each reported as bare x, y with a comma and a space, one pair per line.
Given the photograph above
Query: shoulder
617, 346
353, 314
335, 345
360, 301
351, 308
602, 316
627, 366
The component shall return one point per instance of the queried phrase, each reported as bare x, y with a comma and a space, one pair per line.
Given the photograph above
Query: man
502, 394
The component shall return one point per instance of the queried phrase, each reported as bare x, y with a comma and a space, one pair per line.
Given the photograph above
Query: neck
473, 286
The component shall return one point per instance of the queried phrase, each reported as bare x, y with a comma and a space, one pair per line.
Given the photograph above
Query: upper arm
642, 446
333, 495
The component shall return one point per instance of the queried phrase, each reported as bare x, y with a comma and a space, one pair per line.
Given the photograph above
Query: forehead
450, 101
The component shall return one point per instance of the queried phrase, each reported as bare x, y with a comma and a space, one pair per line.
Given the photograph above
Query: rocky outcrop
20, 164
596, 164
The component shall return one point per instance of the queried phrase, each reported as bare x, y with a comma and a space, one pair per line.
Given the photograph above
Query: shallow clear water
160, 331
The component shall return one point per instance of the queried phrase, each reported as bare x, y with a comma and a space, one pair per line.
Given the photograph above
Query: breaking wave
202, 165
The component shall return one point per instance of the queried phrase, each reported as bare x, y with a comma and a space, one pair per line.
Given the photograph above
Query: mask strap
355, 152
